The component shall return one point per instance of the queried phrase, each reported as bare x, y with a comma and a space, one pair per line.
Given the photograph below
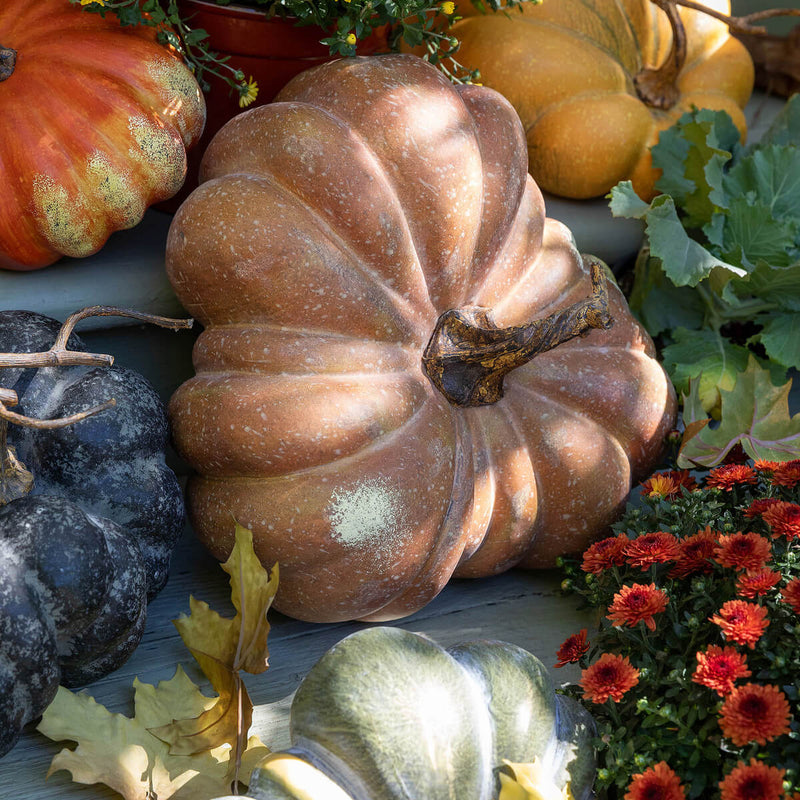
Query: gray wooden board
526, 608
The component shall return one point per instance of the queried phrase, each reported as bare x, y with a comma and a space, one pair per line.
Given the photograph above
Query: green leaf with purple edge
755, 414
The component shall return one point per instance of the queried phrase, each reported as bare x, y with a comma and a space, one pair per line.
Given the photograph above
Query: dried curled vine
15, 480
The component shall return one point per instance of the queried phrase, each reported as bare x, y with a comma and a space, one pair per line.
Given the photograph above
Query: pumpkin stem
743, 24
658, 86
8, 60
468, 356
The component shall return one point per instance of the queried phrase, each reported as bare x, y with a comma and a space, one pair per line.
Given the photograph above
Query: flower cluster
343, 24
692, 676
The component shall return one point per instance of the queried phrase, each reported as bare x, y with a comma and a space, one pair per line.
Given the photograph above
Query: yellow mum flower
448, 8
351, 38
89, 2
247, 93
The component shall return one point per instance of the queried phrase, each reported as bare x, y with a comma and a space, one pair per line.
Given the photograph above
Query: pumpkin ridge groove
337, 461
582, 37
543, 399
401, 304
448, 546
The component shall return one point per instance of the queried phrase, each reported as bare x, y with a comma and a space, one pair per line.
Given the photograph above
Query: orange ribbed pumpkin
96, 121
570, 69
333, 229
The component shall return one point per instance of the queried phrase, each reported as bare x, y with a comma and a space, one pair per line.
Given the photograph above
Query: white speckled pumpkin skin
333, 228
101, 118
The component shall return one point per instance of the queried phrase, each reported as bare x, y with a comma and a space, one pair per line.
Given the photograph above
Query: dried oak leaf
223, 648
180, 743
121, 752
754, 413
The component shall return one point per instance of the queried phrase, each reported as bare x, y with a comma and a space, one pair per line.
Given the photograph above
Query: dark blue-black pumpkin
82, 554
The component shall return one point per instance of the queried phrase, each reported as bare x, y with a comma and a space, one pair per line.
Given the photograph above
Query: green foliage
668, 715
755, 416
722, 257
346, 22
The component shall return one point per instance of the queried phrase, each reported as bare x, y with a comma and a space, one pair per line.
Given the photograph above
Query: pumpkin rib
485, 560
591, 511
586, 40
133, 191
446, 551
219, 150
214, 467
258, 275
400, 303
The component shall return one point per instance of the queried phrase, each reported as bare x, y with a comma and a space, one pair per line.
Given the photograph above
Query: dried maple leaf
121, 752
224, 647
755, 414
180, 744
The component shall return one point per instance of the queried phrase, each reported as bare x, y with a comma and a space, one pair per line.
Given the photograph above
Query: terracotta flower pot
271, 50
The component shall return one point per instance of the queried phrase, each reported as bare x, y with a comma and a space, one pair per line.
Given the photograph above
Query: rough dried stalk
658, 86
15, 480
59, 356
8, 60
468, 356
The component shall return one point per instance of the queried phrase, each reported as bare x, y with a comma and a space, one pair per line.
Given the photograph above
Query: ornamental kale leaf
721, 264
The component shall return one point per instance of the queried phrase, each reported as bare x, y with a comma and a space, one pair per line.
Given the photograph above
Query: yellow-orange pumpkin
570, 68
333, 229
95, 118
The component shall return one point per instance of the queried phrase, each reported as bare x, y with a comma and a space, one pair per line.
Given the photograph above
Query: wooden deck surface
525, 608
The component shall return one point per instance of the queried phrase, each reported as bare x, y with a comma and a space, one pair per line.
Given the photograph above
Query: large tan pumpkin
575, 72
333, 229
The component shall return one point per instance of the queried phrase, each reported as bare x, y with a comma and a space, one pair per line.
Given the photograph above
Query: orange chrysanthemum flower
786, 474
651, 548
610, 676
759, 506
742, 622
767, 467
783, 519
753, 781
604, 554
694, 554
637, 603
743, 551
791, 594
668, 484
754, 584
754, 713
573, 649
656, 783
729, 475
719, 667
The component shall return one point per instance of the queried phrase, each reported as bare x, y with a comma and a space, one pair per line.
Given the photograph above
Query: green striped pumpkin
387, 714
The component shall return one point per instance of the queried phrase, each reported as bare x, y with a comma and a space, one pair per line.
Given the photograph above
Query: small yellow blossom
448, 8
89, 2
247, 93
351, 38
